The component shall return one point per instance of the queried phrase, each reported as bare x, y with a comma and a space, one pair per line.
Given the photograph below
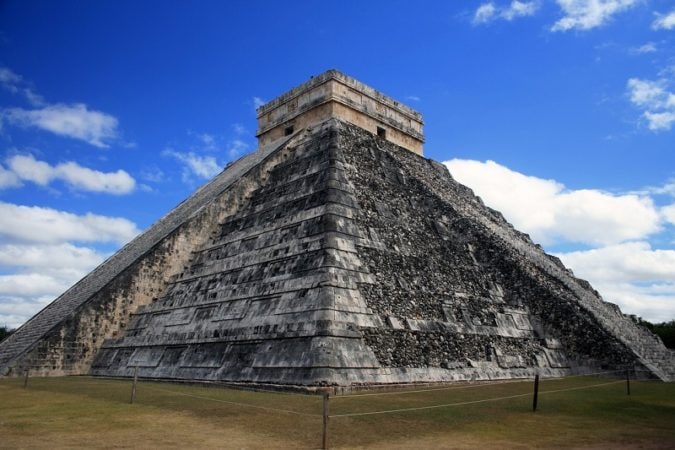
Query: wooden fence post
627, 382
133, 386
536, 393
324, 444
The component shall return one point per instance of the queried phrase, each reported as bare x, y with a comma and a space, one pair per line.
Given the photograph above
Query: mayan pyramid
335, 254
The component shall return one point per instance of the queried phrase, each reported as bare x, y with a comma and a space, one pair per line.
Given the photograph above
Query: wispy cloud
489, 12
75, 121
208, 154
194, 164
649, 47
664, 21
588, 14
655, 100
258, 102
27, 168
239, 129
15, 84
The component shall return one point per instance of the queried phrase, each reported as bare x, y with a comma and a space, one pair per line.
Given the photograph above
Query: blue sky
559, 113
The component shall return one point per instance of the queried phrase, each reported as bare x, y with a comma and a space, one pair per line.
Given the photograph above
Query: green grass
95, 413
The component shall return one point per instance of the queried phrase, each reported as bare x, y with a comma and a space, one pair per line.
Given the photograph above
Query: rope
449, 388
583, 375
430, 407
453, 388
494, 399
247, 405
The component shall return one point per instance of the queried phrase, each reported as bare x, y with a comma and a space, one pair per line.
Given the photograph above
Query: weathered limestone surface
64, 337
333, 94
359, 262
333, 258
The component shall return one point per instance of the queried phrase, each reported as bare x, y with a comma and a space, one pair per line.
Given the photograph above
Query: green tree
4, 332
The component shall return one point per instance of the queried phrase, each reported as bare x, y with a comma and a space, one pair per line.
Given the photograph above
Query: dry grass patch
95, 413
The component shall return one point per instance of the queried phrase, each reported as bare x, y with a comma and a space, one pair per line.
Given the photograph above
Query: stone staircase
29, 334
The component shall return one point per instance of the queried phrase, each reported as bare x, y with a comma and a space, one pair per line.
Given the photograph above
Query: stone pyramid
335, 254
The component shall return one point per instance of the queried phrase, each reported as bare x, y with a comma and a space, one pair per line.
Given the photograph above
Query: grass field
95, 413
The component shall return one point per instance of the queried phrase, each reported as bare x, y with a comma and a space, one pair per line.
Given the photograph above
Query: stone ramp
65, 306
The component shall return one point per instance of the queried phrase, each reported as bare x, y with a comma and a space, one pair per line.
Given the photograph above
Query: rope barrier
446, 405
583, 375
454, 388
419, 408
582, 387
449, 388
247, 405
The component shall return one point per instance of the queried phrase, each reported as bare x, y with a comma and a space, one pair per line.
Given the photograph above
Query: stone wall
334, 94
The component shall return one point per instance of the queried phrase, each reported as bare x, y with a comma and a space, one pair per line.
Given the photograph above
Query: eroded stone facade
336, 95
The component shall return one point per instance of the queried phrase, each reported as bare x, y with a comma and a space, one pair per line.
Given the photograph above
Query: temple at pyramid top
336, 95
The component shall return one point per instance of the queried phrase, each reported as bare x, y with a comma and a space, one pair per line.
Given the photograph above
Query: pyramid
333, 255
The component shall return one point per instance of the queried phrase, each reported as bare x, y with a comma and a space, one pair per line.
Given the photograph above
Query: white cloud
669, 213
488, 12
75, 121
519, 9
632, 274
664, 21
41, 273
27, 168
484, 13
588, 14
413, 98
202, 166
69, 256
655, 100
38, 259
550, 213
38, 224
